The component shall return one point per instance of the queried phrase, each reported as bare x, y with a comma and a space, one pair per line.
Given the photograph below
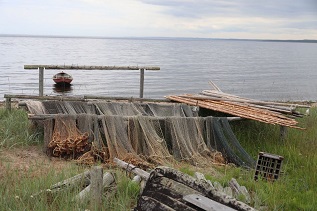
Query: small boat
62, 78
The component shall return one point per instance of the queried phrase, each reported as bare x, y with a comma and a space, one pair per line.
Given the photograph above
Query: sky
240, 19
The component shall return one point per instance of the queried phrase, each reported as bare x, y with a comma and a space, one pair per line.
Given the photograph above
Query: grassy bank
294, 190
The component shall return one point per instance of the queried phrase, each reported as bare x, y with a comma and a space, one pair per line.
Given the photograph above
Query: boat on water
62, 78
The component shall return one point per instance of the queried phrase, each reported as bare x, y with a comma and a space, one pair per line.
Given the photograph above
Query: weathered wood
84, 98
48, 133
88, 67
206, 203
283, 133
107, 180
167, 186
8, 104
73, 181
52, 116
131, 168
41, 81
60, 98
201, 177
141, 82
243, 111
137, 179
237, 190
96, 187
224, 96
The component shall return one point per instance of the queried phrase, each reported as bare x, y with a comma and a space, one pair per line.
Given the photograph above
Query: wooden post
108, 179
141, 82
283, 133
8, 104
41, 81
96, 187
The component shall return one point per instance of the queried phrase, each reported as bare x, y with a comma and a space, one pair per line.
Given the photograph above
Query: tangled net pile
142, 132
67, 140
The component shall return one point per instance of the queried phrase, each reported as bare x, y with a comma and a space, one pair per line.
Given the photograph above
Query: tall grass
16, 130
295, 189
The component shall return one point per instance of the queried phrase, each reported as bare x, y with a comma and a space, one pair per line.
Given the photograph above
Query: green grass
16, 130
295, 189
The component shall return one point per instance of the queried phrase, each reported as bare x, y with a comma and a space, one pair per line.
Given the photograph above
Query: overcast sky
249, 19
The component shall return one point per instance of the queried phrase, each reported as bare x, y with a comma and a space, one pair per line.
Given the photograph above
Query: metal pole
141, 82
41, 81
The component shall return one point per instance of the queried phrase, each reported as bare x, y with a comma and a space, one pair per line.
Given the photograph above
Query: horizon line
155, 37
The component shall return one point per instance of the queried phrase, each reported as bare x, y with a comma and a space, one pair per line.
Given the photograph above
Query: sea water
256, 69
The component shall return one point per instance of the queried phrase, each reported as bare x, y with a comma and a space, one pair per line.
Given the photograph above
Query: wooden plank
243, 111
88, 67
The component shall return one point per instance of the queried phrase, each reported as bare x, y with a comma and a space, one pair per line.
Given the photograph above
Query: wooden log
60, 98
88, 67
53, 116
237, 190
73, 181
107, 180
137, 179
201, 177
131, 168
96, 187
84, 98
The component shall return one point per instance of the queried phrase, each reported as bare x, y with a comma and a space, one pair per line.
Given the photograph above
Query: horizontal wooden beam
83, 98
88, 67
53, 116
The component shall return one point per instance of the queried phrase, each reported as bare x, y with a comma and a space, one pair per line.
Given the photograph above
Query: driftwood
201, 177
169, 188
79, 179
107, 180
73, 181
239, 190
131, 168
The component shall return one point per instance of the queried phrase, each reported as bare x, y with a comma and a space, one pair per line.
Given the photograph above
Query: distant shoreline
155, 38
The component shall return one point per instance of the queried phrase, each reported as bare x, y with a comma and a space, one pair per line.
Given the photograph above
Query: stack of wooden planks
268, 112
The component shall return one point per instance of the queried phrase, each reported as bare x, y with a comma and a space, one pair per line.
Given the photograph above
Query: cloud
171, 18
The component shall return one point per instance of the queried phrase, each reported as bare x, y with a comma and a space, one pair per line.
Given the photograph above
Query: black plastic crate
268, 166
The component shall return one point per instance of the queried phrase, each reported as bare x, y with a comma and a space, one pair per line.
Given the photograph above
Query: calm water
260, 70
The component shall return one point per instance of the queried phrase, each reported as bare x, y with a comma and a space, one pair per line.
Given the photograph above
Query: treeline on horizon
158, 38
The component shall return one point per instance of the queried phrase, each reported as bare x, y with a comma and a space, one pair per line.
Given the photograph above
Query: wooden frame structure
84, 67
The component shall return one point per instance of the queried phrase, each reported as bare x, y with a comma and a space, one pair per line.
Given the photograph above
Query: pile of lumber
275, 113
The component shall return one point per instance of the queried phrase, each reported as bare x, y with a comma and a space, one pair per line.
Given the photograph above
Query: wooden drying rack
85, 67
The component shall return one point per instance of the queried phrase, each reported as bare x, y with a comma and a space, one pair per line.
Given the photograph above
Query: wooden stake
96, 187
41, 81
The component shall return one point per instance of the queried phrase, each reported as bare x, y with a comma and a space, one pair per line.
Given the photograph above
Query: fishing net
157, 133
67, 140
